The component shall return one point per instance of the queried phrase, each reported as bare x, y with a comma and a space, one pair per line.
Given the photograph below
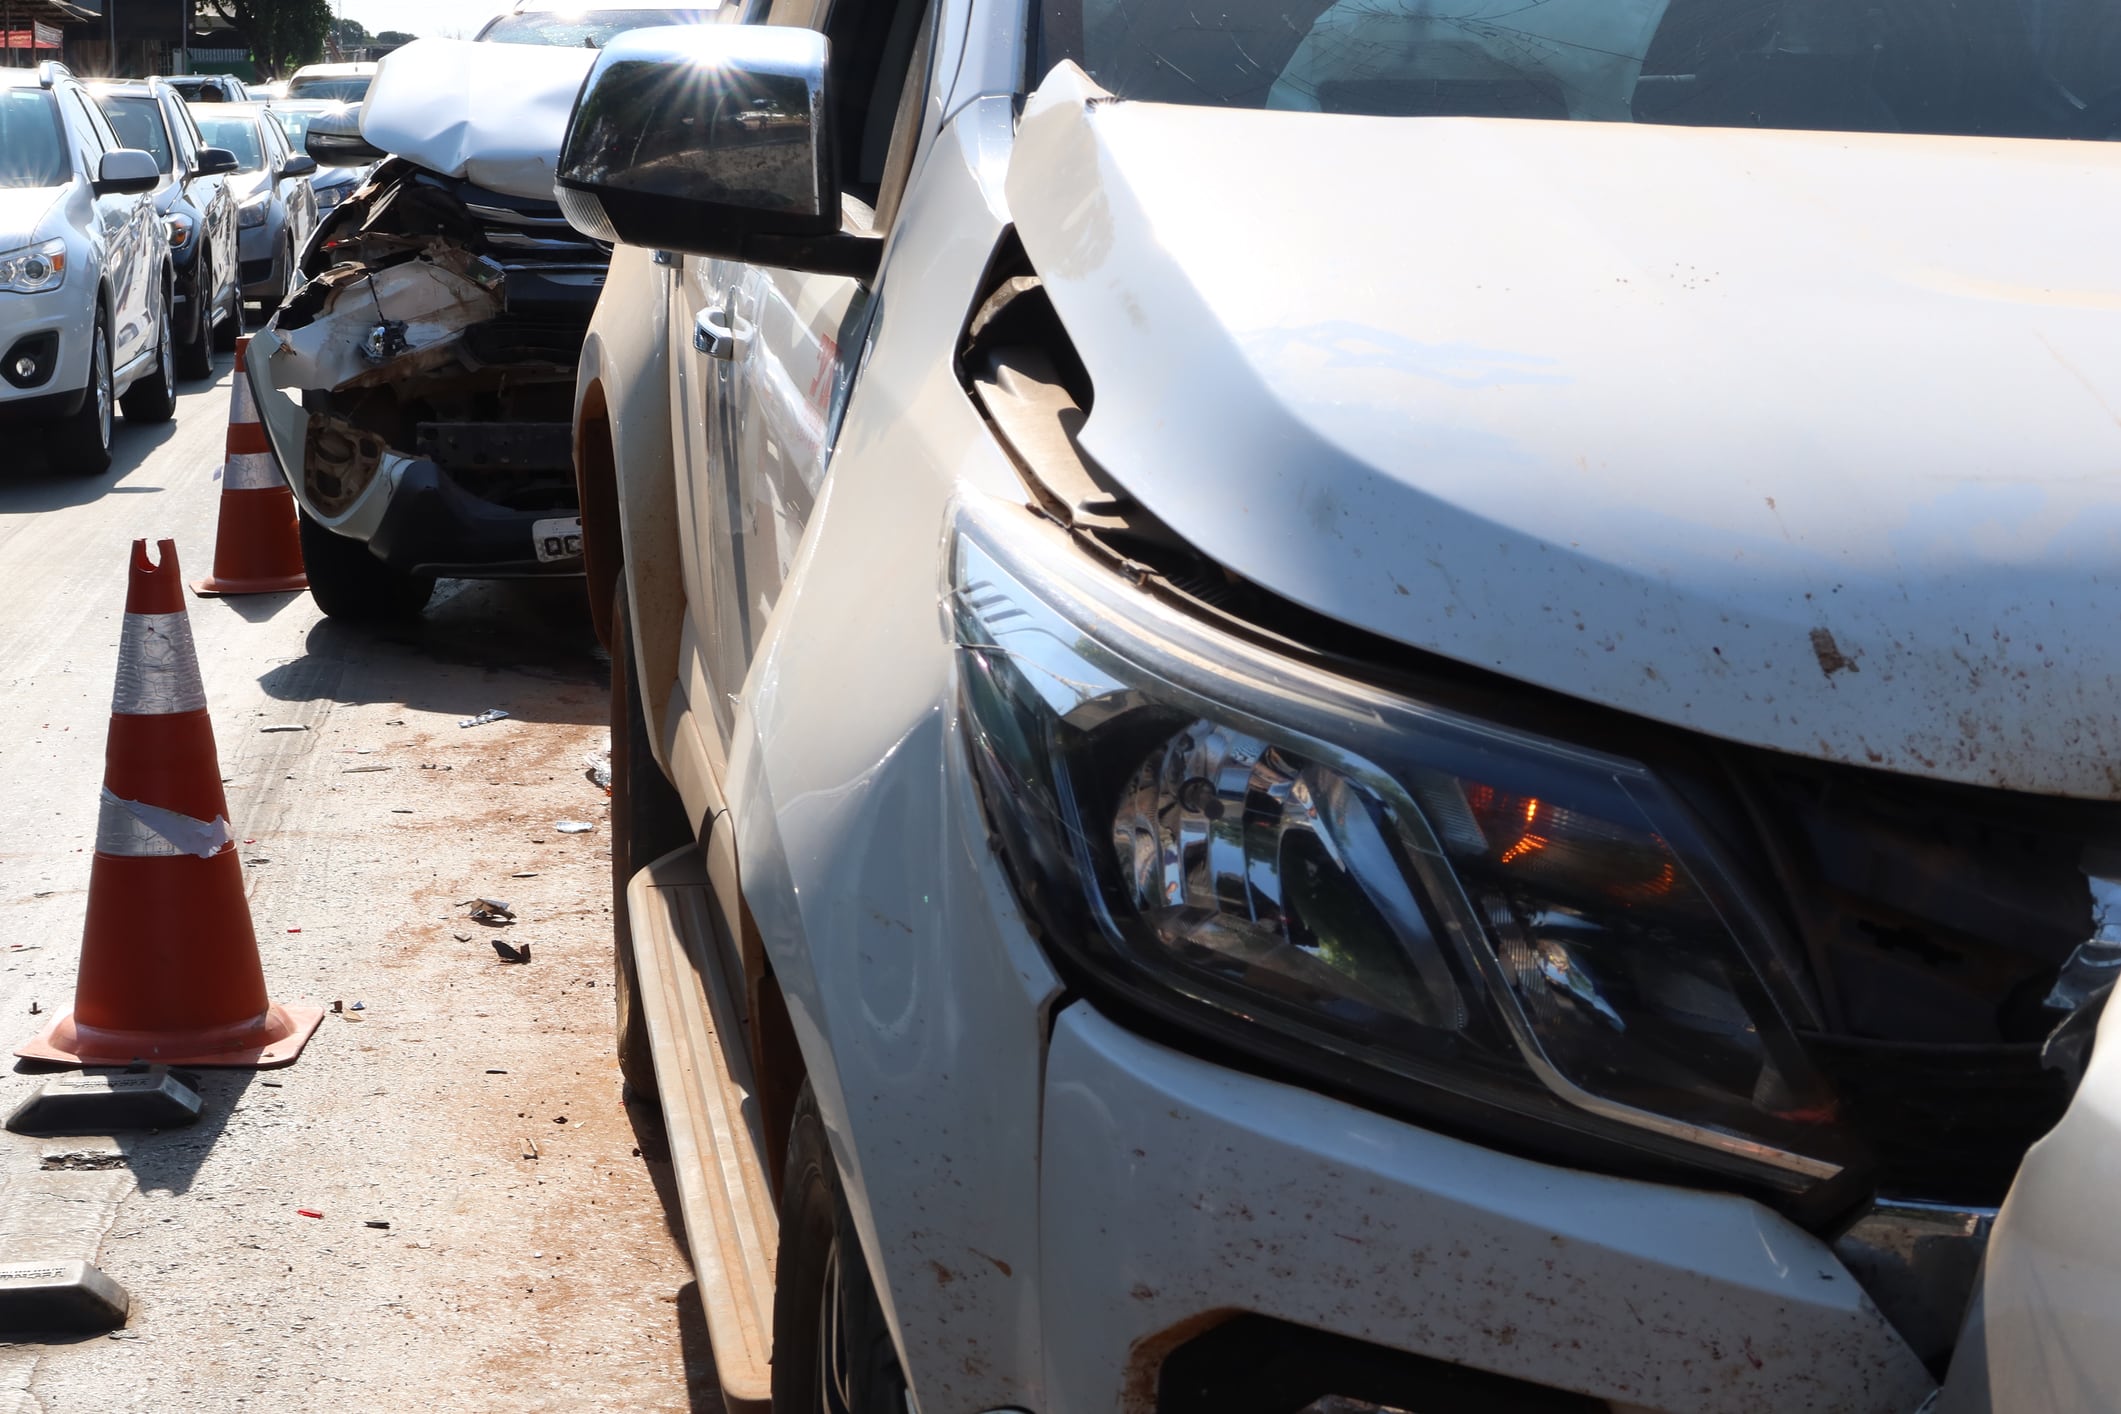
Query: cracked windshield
2002, 68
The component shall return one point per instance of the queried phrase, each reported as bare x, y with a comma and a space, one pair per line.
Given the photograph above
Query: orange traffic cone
169, 964
258, 549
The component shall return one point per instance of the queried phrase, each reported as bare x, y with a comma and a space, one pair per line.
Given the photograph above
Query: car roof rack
51, 71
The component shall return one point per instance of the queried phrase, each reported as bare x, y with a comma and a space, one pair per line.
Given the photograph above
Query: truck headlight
1491, 928
252, 212
34, 269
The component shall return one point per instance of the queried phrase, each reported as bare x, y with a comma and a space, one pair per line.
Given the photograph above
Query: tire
80, 444
195, 356
154, 398
832, 1352
349, 583
647, 822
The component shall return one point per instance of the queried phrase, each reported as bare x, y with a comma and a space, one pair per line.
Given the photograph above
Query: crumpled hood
492, 113
22, 210
1809, 441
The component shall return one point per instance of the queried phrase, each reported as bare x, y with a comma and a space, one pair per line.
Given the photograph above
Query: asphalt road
530, 1262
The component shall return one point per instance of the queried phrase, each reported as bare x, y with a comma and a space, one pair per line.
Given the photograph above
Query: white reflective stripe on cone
158, 669
251, 471
136, 830
242, 407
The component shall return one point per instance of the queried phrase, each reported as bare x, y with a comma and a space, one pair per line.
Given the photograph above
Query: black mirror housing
214, 161
714, 140
126, 170
334, 140
299, 165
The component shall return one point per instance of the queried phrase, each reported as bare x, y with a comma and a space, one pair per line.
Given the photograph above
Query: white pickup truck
1389, 705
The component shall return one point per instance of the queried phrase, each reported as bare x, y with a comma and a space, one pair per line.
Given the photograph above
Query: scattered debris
511, 954
524, 874
272, 1084
337, 1006
491, 714
294, 930
358, 1006
82, 1160
286, 727
530, 1147
493, 911
393, 721
461, 937
597, 766
307, 1213
35, 1010
497, 1072
362, 770
376, 1223
559, 1119
574, 827
401, 811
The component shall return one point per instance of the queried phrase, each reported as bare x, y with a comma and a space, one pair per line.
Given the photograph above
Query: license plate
557, 539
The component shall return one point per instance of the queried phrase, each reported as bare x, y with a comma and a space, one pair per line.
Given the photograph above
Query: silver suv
86, 278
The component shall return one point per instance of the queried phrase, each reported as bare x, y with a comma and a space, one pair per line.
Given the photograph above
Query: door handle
712, 335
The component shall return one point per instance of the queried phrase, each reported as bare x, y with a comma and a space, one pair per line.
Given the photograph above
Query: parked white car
1405, 701
86, 279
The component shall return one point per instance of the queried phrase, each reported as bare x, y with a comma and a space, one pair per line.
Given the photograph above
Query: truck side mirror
335, 140
714, 140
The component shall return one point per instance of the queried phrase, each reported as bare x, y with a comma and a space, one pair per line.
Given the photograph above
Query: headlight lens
252, 212
1368, 886
33, 269
329, 197
179, 228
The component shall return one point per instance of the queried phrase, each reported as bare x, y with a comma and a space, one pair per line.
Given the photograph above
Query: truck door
773, 351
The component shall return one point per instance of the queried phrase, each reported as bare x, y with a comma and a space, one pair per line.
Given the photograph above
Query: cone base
263, 1043
212, 588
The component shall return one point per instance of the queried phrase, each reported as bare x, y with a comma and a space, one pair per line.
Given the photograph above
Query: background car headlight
252, 212
329, 197
1484, 925
179, 228
33, 269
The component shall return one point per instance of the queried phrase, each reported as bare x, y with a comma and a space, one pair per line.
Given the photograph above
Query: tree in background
351, 34
284, 34
395, 36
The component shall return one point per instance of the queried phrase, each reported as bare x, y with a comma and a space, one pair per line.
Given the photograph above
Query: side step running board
703, 1077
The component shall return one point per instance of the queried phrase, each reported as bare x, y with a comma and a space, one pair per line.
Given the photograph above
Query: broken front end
417, 391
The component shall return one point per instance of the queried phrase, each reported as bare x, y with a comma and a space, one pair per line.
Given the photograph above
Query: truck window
2003, 68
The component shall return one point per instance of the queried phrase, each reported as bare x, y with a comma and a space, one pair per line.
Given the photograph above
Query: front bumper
66, 314
1176, 1192
258, 260
413, 515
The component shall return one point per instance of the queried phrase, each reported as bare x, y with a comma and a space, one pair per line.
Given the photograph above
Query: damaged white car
416, 390
1371, 704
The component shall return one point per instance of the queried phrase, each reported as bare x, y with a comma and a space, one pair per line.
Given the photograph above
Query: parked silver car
198, 212
275, 206
86, 279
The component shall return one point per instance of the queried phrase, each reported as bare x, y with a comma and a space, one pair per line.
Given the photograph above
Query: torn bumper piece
371, 450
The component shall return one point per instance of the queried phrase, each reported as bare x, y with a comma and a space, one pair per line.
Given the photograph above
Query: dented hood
1809, 441
491, 113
